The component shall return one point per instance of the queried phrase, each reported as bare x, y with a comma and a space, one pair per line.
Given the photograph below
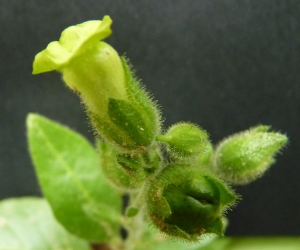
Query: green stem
135, 225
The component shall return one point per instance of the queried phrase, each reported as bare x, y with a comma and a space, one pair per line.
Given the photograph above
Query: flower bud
120, 110
245, 156
185, 140
187, 202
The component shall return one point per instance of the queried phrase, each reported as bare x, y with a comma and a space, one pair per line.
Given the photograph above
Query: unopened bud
187, 202
244, 157
185, 140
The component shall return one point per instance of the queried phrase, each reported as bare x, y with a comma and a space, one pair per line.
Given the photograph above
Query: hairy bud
245, 156
185, 140
187, 202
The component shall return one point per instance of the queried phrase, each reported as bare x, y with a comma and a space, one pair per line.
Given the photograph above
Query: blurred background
226, 65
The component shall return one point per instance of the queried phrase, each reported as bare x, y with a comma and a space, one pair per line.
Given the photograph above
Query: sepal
128, 119
127, 171
121, 177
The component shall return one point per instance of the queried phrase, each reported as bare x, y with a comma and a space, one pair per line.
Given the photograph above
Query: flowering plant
174, 179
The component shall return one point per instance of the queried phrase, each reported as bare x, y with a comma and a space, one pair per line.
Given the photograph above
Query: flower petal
74, 41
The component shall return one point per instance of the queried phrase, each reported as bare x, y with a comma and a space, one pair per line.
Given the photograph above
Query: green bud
120, 110
188, 202
185, 140
245, 156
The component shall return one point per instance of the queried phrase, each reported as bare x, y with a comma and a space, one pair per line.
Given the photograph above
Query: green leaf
28, 224
152, 240
254, 243
69, 173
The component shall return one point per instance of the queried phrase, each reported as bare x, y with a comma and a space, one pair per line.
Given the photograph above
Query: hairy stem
135, 225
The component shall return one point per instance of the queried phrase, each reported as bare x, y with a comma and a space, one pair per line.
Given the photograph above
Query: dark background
224, 64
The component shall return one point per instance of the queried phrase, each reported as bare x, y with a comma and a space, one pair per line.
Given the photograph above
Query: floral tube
120, 110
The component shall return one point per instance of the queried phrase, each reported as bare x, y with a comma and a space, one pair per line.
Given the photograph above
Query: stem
135, 225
